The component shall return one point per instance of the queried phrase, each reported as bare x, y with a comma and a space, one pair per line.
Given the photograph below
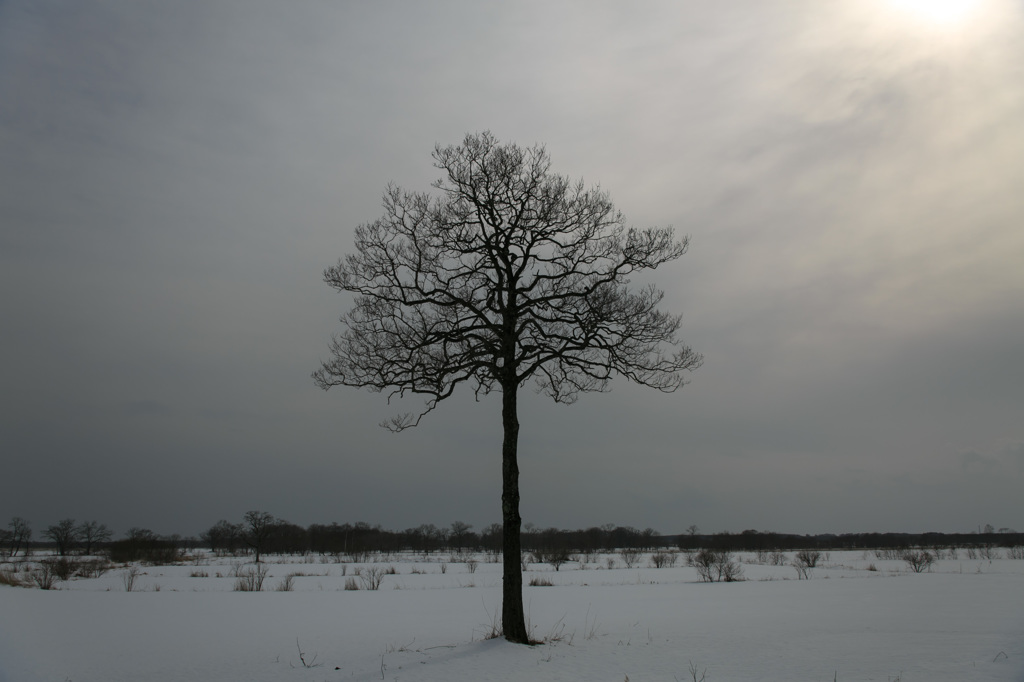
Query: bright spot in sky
941, 12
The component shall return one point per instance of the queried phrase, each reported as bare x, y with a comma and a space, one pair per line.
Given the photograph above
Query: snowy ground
963, 620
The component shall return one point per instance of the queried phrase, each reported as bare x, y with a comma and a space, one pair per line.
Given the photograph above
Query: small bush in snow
44, 576
371, 577
918, 560
128, 577
92, 568
808, 557
630, 556
251, 579
804, 562
62, 568
715, 566
663, 559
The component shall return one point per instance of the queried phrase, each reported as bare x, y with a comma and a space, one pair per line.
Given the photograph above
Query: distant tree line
260, 533
752, 540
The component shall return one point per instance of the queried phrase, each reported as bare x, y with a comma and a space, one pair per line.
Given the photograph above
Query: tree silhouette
92, 533
509, 273
256, 529
19, 536
63, 534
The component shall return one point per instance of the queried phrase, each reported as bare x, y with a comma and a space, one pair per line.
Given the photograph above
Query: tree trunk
513, 620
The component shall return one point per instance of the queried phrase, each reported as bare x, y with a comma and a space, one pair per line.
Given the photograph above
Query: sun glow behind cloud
941, 13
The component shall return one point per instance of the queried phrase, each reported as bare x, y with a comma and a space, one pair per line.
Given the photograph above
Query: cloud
1004, 460
176, 176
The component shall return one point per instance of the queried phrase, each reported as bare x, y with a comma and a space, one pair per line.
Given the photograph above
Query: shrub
918, 560
1015, 552
703, 560
351, 584
44, 576
770, 557
251, 579
62, 568
808, 557
715, 566
804, 562
727, 568
555, 557
630, 556
371, 577
662, 559
540, 582
128, 577
92, 568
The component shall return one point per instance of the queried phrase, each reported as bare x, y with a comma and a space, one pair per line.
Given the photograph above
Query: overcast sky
175, 176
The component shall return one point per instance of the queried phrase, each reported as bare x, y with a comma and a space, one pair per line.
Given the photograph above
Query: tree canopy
510, 273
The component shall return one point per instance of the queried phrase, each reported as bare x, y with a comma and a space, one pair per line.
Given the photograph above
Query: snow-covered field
431, 618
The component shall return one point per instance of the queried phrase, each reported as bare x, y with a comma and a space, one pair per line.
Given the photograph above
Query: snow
963, 620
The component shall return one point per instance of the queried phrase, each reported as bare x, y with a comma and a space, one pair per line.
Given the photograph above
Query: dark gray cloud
175, 176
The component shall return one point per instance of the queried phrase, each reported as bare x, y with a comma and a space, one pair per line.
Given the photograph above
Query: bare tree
64, 534
20, 535
222, 536
256, 528
647, 536
92, 533
509, 273
458, 532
